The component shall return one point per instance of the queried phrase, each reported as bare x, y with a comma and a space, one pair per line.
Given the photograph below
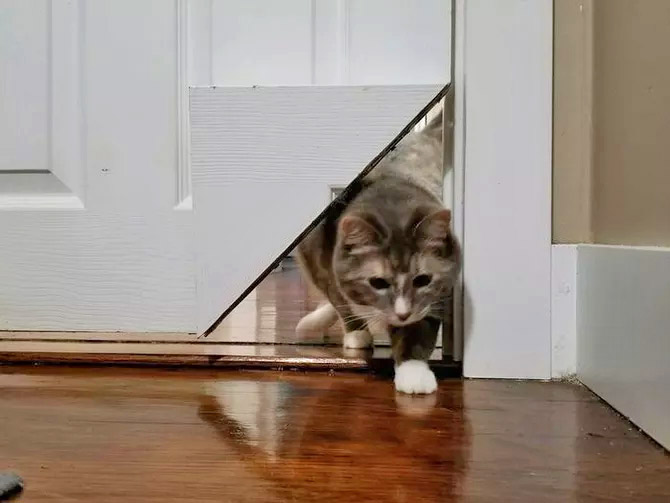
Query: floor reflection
344, 441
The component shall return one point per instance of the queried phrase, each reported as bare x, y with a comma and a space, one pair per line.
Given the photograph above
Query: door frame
503, 78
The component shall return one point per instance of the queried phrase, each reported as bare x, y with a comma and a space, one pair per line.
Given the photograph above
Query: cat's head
395, 272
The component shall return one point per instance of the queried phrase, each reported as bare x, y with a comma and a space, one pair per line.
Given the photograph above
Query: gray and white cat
387, 259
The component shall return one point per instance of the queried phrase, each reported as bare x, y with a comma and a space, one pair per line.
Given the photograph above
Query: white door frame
502, 185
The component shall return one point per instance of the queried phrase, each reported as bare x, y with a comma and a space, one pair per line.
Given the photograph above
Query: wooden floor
143, 435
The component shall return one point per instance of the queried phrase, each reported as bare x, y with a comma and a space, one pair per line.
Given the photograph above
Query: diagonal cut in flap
264, 161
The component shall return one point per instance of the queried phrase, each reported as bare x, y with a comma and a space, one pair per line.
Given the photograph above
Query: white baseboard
563, 310
623, 327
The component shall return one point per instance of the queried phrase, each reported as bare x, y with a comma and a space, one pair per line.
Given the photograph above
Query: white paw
414, 377
358, 339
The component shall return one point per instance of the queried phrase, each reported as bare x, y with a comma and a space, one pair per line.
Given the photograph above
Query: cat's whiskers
368, 317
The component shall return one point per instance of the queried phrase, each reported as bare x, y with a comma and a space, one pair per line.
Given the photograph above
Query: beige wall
612, 122
572, 121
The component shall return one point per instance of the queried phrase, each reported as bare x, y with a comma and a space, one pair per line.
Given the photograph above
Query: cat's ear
433, 229
356, 231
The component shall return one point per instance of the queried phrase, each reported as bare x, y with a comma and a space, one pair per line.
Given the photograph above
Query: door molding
503, 84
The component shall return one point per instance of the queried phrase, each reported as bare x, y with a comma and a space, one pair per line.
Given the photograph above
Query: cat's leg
412, 346
356, 332
358, 339
316, 268
322, 318
316, 271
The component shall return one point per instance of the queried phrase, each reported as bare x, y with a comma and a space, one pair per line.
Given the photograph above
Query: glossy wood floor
142, 435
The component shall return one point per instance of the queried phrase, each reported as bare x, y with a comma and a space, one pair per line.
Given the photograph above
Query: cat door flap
264, 162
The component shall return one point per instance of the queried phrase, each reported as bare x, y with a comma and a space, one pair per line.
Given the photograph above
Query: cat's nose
401, 308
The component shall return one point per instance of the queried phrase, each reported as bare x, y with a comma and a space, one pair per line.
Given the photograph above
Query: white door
95, 206
91, 232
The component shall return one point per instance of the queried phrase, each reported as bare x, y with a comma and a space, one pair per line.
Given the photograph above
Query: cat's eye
379, 283
421, 280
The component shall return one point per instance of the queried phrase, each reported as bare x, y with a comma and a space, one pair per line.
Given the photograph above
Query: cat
386, 259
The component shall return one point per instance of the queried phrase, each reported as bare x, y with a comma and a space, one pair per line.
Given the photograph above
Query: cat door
253, 205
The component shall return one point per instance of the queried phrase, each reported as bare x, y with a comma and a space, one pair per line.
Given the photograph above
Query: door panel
320, 42
92, 241
24, 93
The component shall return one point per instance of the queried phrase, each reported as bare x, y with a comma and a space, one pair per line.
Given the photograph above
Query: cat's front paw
414, 377
358, 339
